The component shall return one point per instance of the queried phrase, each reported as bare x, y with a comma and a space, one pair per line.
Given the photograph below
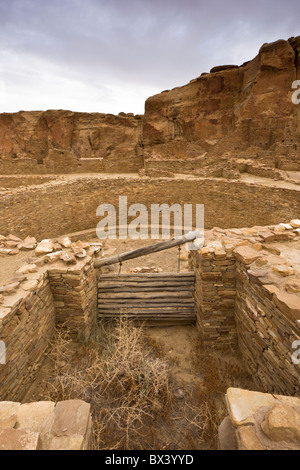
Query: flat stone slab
246, 254
71, 418
33, 415
14, 439
243, 404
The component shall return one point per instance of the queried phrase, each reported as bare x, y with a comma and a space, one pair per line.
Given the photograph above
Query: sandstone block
247, 438
65, 242
10, 288
288, 303
71, 418
67, 443
33, 415
14, 439
282, 423
68, 258
53, 257
246, 255
242, 405
295, 223
44, 247
28, 268
28, 244
293, 286
283, 270
227, 435
8, 414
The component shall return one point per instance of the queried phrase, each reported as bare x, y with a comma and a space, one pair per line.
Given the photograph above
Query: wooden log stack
151, 298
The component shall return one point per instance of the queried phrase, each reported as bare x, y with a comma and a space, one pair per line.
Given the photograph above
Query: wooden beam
145, 250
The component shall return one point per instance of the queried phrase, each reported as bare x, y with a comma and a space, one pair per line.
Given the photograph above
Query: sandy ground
168, 263
165, 260
10, 264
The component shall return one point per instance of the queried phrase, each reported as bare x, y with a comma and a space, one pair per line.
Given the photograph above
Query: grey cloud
153, 43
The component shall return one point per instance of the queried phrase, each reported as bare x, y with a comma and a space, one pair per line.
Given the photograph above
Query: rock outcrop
66, 142
231, 113
228, 118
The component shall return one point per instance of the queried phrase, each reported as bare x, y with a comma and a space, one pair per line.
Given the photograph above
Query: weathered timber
148, 297
143, 276
106, 290
145, 250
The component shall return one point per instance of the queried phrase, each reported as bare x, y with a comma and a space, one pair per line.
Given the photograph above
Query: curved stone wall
69, 205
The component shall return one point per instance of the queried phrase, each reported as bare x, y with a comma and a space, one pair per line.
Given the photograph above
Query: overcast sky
110, 55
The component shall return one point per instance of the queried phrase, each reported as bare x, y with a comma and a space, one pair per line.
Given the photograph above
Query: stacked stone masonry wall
74, 291
27, 320
36, 302
246, 292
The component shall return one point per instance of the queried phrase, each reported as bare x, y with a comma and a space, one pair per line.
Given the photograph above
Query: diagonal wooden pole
191, 236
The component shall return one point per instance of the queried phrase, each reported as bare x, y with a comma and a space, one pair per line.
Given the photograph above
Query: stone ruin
228, 139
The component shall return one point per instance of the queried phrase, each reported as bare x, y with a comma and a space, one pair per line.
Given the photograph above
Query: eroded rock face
231, 112
64, 141
226, 120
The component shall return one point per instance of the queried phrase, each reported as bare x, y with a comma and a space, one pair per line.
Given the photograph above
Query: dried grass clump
121, 379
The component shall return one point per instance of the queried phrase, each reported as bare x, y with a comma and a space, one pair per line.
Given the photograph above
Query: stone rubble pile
63, 251
12, 245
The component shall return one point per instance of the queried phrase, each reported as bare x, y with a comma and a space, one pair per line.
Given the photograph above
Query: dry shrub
122, 380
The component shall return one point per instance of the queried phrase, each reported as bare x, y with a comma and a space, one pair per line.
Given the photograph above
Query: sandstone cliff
68, 141
233, 115
231, 112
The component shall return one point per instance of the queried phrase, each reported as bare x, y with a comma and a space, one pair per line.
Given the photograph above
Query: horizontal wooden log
153, 316
145, 295
149, 309
145, 250
135, 276
145, 289
162, 300
147, 283
160, 322
128, 308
